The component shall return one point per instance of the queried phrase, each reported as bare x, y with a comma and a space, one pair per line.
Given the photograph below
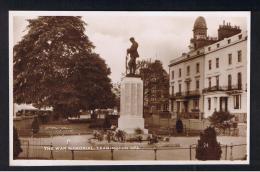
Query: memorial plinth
131, 105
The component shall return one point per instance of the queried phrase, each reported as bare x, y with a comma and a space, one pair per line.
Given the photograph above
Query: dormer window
240, 36
217, 45
229, 41
209, 48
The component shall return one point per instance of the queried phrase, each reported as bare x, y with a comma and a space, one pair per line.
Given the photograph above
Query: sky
160, 35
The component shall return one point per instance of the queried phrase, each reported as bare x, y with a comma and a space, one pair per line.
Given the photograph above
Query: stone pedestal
131, 105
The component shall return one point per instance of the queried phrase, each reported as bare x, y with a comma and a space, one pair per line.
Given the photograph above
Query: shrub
35, 125
110, 136
167, 139
152, 139
139, 131
208, 148
120, 135
179, 126
16, 144
221, 119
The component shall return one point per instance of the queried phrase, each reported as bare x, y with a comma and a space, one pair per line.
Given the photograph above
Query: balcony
234, 87
187, 94
223, 88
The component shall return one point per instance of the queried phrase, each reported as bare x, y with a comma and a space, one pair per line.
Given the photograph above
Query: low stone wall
189, 124
196, 124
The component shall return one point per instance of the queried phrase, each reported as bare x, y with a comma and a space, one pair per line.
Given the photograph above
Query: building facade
186, 84
225, 73
212, 76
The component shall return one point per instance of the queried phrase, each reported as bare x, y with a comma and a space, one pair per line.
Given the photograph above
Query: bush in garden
152, 139
120, 135
221, 119
35, 125
98, 135
110, 136
16, 144
179, 126
139, 131
208, 148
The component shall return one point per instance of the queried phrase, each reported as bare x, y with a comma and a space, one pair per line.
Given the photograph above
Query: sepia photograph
127, 88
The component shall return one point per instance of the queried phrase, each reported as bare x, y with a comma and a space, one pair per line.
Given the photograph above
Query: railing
34, 151
223, 88
187, 94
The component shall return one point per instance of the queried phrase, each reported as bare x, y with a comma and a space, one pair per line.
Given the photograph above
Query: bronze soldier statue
133, 55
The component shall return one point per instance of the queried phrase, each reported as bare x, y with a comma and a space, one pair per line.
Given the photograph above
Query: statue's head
132, 39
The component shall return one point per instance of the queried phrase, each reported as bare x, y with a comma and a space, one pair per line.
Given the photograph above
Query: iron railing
37, 151
186, 94
222, 88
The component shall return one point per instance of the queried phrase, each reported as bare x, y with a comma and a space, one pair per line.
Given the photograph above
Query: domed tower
200, 38
200, 28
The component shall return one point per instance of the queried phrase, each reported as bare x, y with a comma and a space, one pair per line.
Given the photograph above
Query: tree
221, 119
117, 91
16, 144
156, 85
55, 66
208, 148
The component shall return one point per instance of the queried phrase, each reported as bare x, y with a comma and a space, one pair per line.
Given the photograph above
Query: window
209, 103
179, 72
217, 62
217, 45
172, 74
198, 67
229, 81
239, 80
188, 70
195, 104
209, 64
179, 88
172, 90
229, 59
240, 36
237, 101
188, 86
209, 48
172, 105
197, 84
239, 54
209, 82
217, 81
198, 52
229, 41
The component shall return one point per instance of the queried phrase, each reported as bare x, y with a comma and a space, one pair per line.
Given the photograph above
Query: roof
200, 23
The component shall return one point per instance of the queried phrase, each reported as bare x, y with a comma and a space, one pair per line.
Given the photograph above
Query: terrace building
212, 76
225, 74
